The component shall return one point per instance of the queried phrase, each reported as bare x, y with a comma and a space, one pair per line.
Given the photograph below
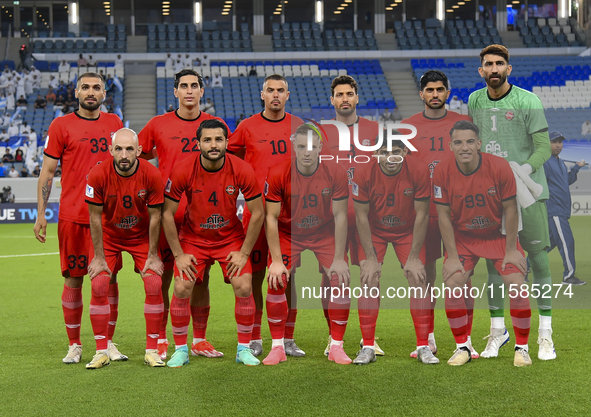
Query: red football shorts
291, 250
433, 241
260, 250
401, 244
206, 256
76, 251
138, 249
471, 249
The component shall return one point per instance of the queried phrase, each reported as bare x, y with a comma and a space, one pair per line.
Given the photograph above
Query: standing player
172, 135
513, 126
433, 126
125, 197
211, 232
344, 98
306, 209
263, 140
392, 201
477, 190
78, 141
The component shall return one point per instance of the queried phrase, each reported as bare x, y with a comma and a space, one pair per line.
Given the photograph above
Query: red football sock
420, 310
100, 310
277, 312
368, 316
114, 305
325, 287
72, 307
180, 316
455, 308
338, 310
432, 314
521, 318
244, 311
200, 316
256, 329
163, 324
290, 324
469, 306
153, 309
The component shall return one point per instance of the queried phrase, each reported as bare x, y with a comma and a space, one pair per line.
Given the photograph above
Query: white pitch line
30, 254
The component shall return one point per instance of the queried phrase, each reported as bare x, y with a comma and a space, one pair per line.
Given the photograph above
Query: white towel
527, 193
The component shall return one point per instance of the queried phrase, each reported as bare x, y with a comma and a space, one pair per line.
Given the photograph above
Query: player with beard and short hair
125, 197
513, 126
211, 231
172, 137
78, 141
433, 125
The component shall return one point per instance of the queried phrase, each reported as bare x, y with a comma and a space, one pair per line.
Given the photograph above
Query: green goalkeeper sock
496, 300
540, 266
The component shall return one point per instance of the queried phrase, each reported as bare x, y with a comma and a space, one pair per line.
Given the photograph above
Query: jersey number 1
494, 122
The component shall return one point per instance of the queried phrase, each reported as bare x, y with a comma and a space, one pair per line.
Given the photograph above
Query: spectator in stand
197, 62
4, 136
18, 156
40, 103
7, 157
109, 85
62, 89
170, 108
53, 82
36, 171
13, 130
119, 61
24, 172
50, 97
217, 81
396, 114
25, 129
58, 171
13, 173
70, 99
10, 104
22, 102
64, 66
169, 62
455, 104
208, 107
60, 102
586, 128
241, 118
6, 119
82, 62
253, 72
2, 170
387, 116
206, 81
91, 62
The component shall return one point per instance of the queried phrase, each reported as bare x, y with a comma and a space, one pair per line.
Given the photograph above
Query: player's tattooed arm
43, 192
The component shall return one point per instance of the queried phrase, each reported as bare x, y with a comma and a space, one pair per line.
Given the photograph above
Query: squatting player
473, 191
344, 98
125, 198
172, 135
263, 140
433, 125
78, 141
513, 126
211, 232
392, 200
306, 208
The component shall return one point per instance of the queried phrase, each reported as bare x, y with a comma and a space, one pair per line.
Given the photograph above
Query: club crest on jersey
326, 192
89, 191
168, 186
127, 222
309, 222
432, 166
392, 221
142, 194
479, 222
230, 189
492, 191
215, 221
408, 192
509, 115
366, 142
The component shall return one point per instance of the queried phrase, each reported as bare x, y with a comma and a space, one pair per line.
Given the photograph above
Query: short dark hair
343, 79
465, 125
495, 49
187, 71
432, 76
276, 77
211, 124
90, 75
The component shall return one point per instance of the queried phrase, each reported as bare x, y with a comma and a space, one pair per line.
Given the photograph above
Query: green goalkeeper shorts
535, 236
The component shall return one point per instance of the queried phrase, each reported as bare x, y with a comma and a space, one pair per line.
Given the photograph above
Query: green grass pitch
33, 380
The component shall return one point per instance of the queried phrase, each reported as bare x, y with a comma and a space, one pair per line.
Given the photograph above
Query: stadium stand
304, 36
115, 41
183, 38
551, 32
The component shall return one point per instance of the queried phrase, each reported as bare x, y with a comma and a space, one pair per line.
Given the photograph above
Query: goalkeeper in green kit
513, 126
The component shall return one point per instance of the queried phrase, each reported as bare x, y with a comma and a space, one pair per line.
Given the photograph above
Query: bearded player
513, 126
125, 198
78, 141
433, 125
172, 137
263, 140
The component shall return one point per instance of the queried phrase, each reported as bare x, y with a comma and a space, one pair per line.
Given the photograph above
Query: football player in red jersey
306, 208
211, 231
344, 98
473, 192
433, 125
78, 141
263, 141
125, 198
392, 200
172, 137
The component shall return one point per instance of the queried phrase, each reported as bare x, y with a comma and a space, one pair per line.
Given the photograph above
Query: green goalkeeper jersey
507, 125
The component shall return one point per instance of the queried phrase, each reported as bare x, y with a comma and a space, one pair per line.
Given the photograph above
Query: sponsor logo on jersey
309, 222
366, 142
509, 115
215, 221
197, 191
142, 194
432, 166
230, 189
127, 222
408, 192
392, 221
492, 191
479, 222
89, 191
168, 186
326, 192
355, 189
437, 192
350, 174
266, 188
495, 148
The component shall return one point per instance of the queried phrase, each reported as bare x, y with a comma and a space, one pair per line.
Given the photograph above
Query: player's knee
457, 280
153, 285
183, 289
100, 286
514, 279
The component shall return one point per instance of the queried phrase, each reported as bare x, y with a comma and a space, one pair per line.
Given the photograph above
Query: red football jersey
432, 140
476, 199
306, 201
367, 133
79, 144
210, 217
391, 198
267, 142
175, 139
125, 200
